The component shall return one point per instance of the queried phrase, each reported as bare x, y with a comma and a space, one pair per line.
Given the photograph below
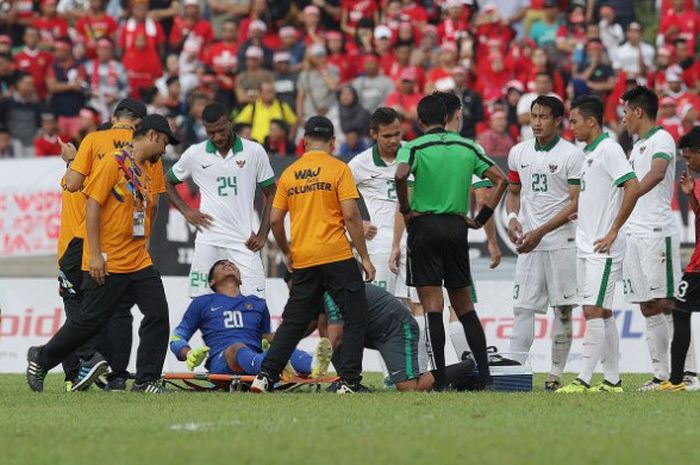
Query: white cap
257, 24
254, 52
674, 73
281, 56
318, 50
191, 3
382, 32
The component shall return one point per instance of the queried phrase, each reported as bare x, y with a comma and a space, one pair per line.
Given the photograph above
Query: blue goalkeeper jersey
223, 321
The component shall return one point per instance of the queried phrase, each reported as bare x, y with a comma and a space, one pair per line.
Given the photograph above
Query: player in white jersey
651, 268
227, 169
609, 191
373, 171
545, 176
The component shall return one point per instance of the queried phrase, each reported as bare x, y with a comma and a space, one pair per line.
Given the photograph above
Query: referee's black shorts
438, 252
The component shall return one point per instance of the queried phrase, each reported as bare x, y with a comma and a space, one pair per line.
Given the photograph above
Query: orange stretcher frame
218, 382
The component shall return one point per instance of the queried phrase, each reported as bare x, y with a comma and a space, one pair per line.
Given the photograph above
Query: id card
139, 223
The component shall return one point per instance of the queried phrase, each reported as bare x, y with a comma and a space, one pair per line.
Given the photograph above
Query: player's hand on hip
255, 242
395, 260
495, 253
198, 219
369, 269
369, 229
471, 223
604, 244
529, 241
687, 182
98, 268
195, 357
408, 217
515, 231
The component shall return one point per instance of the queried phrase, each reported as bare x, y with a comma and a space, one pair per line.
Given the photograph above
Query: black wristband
484, 215
403, 212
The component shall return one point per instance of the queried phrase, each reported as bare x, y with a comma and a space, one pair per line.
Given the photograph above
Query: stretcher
202, 381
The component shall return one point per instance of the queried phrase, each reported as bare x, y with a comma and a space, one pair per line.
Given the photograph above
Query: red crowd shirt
687, 23
50, 28
358, 10
45, 146
183, 30
91, 29
416, 12
221, 57
450, 31
36, 63
344, 65
141, 62
24, 9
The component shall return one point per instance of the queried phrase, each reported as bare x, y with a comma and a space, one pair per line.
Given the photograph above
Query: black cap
319, 126
137, 107
159, 124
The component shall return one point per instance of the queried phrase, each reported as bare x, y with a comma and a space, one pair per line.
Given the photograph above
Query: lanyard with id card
136, 188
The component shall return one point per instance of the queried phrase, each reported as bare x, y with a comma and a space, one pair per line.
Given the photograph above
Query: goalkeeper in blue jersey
233, 327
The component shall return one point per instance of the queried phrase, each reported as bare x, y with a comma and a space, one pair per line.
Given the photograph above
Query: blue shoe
90, 370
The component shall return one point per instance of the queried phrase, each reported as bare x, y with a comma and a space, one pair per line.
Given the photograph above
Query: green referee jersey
443, 164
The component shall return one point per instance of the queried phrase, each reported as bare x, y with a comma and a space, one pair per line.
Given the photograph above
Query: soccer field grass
382, 428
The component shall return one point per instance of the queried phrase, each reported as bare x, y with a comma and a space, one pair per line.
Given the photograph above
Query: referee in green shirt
442, 164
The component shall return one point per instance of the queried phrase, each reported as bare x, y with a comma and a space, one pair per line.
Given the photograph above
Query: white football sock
659, 344
422, 350
690, 357
611, 352
593, 345
458, 338
523, 332
561, 339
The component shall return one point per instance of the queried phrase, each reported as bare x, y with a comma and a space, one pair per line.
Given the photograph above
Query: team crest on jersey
642, 149
553, 168
240, 163
590, 162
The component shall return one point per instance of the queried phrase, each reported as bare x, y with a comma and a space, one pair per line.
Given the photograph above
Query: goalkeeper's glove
265, 344
195, 357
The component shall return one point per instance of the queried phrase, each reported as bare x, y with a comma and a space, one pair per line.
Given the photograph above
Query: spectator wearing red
668, 118
440, 77
192, 28
66, 82
311, 19
519, 59
679, 22
49, 24
352, 11
657, 78
415, 12
95, 25
393, 15
338, 57
690, 65
492, 81
490, 32
46, 141
542, 64
372, 87
23, 11
407, 32
495, 140
383, 47
614, 106
455, 21
260, 11
676, 88
364, 40
571, 37
402, 53
405, 100
34, 61
221, 56
142, 41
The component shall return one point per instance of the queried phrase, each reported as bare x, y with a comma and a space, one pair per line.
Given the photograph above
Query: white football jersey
652, 216
605, 169
375, 181
227, 188
545, 175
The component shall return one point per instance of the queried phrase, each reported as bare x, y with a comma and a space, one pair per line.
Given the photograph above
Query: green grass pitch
381, 428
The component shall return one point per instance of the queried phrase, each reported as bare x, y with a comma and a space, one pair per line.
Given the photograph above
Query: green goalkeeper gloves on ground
195, 357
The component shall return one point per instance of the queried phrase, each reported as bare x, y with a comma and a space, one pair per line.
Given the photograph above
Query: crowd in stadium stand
65, 63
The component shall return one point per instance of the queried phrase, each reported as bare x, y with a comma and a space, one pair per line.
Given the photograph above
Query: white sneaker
261, 384
322, 358
691, 383
651, 385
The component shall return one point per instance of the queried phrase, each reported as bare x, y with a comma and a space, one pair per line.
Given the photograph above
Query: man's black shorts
438, 252
688, 293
